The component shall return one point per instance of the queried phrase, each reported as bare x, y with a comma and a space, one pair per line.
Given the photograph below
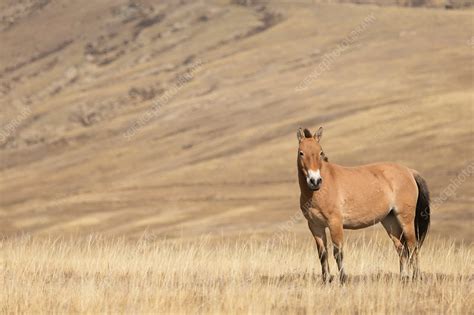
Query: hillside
179, 119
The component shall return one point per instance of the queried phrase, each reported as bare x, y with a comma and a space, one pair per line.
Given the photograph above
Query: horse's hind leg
407, 223
319, 235
395, 232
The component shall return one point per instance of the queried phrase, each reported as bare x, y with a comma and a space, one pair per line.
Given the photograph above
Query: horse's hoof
328, 279
417, 276
405, 279
343, 278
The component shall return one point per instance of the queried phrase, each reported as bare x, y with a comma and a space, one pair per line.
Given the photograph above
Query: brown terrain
179, 119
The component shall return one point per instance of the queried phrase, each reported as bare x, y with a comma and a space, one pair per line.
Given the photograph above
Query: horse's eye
301, 153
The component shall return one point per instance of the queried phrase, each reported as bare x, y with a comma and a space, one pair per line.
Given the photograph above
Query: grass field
95, 275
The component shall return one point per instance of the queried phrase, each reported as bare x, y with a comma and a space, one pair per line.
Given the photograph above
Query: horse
335, 197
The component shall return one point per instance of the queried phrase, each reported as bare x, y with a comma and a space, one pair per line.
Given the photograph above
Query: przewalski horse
338, 198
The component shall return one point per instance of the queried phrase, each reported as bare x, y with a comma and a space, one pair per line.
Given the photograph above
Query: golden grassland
246, 275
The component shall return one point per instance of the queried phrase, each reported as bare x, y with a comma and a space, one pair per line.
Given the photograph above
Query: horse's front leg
319, 235
337, 236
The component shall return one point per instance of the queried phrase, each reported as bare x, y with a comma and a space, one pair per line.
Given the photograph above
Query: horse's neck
327, 170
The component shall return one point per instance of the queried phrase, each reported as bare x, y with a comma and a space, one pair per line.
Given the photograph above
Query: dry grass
98, 275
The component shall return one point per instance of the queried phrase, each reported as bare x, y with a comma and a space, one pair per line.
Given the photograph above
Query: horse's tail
422, 216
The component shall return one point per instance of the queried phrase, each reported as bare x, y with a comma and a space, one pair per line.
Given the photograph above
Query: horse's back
392, 174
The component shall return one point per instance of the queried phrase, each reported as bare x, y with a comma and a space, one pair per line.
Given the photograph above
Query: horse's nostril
319, 182
312, 181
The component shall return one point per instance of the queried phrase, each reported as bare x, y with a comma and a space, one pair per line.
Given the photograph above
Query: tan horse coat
338, 197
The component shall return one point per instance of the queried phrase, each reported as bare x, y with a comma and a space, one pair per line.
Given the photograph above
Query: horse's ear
303, 133
318, 134
300, 134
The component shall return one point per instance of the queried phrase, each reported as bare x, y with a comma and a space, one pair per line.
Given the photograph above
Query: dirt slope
180, 119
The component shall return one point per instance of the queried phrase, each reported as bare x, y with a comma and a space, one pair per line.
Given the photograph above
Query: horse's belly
358, 216
355, 224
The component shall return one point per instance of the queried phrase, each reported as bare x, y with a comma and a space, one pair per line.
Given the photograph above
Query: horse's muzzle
315, 183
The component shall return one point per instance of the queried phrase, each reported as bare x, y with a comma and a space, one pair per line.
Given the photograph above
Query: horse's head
310, 157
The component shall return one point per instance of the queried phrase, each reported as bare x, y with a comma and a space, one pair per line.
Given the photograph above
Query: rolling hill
179, 118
